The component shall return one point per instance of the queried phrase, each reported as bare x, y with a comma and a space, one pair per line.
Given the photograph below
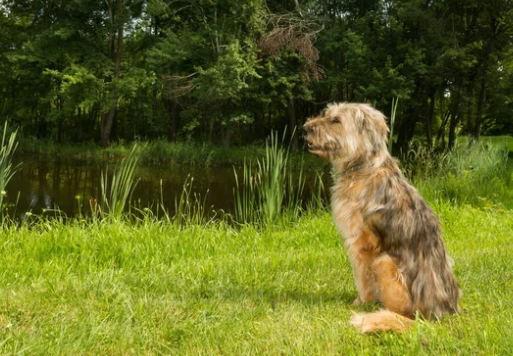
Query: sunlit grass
155, 288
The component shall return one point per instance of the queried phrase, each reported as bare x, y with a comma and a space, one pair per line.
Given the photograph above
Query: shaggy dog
394, 240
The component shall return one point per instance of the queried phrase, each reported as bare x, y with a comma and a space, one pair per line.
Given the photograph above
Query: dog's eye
335, 120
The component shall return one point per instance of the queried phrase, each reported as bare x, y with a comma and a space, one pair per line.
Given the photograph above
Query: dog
393, 238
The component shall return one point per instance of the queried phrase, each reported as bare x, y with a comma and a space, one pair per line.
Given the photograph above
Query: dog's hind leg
393, 292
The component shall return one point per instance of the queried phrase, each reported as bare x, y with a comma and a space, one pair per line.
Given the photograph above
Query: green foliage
226, 71
227, 78
81, 86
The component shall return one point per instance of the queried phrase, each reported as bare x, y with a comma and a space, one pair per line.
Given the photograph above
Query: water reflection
66, 187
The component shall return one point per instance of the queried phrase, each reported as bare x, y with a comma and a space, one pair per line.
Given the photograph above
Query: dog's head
347, 132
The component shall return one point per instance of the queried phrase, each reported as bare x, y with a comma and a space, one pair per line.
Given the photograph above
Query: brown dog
394, 240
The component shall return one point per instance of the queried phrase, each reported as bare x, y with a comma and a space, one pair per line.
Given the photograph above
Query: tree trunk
226, 137
59, 121
429, 119
479, 113
108, 117
453, 123
210, 121
42, 126
455, 116
444, 116
173, 117
407, 129
470, 111
106, 127
340, 92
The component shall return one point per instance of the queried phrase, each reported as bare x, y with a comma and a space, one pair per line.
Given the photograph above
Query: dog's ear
360, 120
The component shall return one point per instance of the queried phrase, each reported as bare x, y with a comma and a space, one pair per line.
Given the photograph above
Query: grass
190, 207
154, 288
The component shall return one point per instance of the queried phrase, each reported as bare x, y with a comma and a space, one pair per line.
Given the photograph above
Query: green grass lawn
154, 289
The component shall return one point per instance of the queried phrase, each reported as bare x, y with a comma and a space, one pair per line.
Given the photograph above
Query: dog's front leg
363, 252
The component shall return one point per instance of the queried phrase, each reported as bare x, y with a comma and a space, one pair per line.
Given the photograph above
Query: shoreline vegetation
272, 278
162, 152
154, 153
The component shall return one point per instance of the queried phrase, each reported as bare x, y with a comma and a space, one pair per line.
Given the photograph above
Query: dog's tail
383, 320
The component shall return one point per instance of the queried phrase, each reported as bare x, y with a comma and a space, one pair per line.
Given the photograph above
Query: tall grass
480, 174
117, 188
504, 142
246, 200
7, 170
320, 194
271, 189
190, 207
395, 101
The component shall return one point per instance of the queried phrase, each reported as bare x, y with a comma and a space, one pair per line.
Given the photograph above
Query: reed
7, 170
246, 203
318, 200
271, 178
270, 189
392, 121
117, 188
191, 207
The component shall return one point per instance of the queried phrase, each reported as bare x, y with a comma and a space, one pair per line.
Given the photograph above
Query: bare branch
288, 31
179, 85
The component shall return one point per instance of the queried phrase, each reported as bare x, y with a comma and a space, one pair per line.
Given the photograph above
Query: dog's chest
347, 211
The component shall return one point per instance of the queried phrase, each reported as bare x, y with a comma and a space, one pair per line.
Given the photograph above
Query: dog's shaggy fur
394, 240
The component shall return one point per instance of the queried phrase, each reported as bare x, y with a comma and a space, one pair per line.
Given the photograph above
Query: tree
227, 71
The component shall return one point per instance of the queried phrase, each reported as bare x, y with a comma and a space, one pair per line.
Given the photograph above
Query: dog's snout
305, 127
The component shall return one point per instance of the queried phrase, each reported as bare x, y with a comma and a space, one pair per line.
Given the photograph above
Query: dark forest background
230, 71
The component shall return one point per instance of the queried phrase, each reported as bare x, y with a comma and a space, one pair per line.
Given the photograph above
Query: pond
66, 187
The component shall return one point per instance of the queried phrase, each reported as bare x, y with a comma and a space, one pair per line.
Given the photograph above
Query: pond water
42, 186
